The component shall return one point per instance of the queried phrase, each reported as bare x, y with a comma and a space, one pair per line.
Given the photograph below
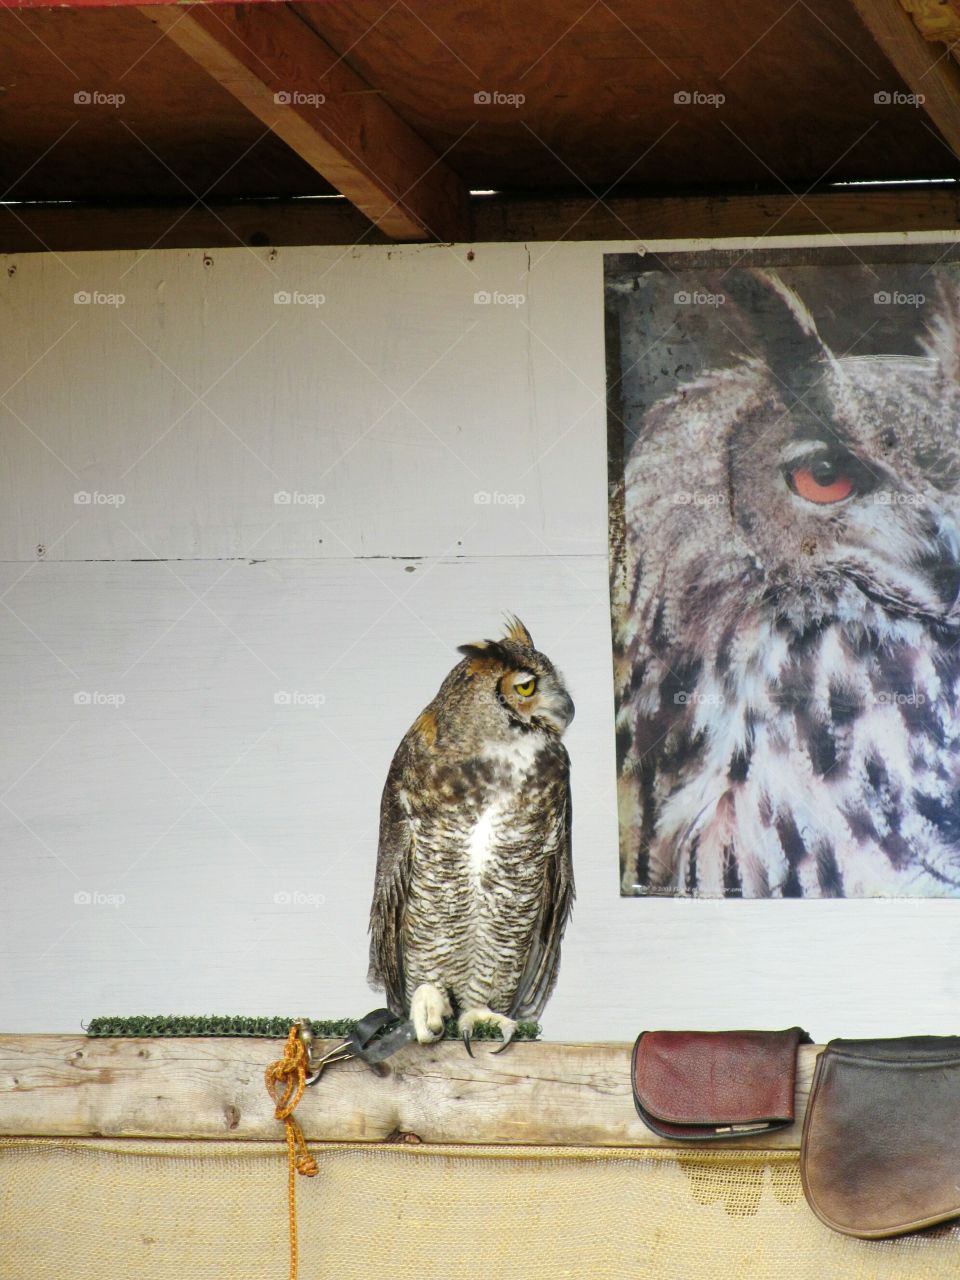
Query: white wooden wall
203, 685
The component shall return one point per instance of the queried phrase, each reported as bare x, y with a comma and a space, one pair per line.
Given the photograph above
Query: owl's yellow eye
526, 688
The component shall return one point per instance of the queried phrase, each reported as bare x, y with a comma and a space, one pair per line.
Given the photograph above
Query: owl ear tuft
483, 649
517, 632
473, 650
942, 339
787, 333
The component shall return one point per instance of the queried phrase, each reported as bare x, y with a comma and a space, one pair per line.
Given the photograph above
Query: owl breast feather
477, 876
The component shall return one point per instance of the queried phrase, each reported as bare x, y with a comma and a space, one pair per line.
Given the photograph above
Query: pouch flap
881, 1136
904, 1049
715, 1079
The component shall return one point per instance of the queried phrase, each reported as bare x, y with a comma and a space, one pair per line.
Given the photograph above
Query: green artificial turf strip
239, 1025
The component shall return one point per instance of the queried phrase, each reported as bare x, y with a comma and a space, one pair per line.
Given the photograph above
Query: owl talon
507, 1040
428, 1008
469, 1019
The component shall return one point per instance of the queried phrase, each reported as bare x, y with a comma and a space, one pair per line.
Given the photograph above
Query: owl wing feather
539, 974
394, 858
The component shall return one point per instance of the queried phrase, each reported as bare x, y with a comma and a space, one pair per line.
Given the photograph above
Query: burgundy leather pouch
703, 1085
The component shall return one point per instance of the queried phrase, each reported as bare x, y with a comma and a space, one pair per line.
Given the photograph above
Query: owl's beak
559, 711
942, 565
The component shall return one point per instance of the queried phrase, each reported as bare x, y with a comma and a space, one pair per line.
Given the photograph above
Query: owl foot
469, 1019
428, 1008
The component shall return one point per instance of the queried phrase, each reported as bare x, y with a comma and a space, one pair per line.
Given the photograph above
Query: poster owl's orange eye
822, 482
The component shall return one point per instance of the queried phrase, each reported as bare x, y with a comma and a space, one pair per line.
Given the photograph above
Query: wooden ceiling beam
297, 85
927, 68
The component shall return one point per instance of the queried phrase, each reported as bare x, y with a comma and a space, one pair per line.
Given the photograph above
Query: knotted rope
285, 1080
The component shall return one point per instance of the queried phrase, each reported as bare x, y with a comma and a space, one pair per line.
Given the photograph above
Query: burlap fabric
119, 1209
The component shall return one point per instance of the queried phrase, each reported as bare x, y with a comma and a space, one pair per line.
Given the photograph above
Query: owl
474, 879
786, 625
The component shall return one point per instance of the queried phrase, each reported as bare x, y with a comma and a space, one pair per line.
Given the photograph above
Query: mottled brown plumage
474, 877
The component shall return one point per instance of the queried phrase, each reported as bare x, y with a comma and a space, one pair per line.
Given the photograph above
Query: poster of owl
784, 445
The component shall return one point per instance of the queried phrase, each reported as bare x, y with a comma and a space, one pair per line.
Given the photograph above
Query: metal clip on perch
364, 1042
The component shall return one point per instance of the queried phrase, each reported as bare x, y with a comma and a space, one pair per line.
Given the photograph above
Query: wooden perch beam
291, 80
927, 69
536, 1094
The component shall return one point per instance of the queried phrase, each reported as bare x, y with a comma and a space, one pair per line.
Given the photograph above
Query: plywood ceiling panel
176, 134
599, 82
599, 111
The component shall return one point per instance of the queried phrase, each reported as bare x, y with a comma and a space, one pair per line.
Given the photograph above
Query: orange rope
285, 1080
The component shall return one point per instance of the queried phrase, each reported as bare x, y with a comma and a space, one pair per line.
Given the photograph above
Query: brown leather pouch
881, 1140
702, 1085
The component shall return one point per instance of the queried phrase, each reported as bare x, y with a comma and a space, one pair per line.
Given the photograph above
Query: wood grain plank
71, 228
291, 80
926, 68
796, 88
829, 213
541, 1094
175, 136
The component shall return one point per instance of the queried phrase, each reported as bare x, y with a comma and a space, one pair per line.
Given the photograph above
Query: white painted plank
383, 411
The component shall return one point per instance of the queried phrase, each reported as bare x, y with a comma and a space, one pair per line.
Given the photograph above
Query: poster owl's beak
942, 565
